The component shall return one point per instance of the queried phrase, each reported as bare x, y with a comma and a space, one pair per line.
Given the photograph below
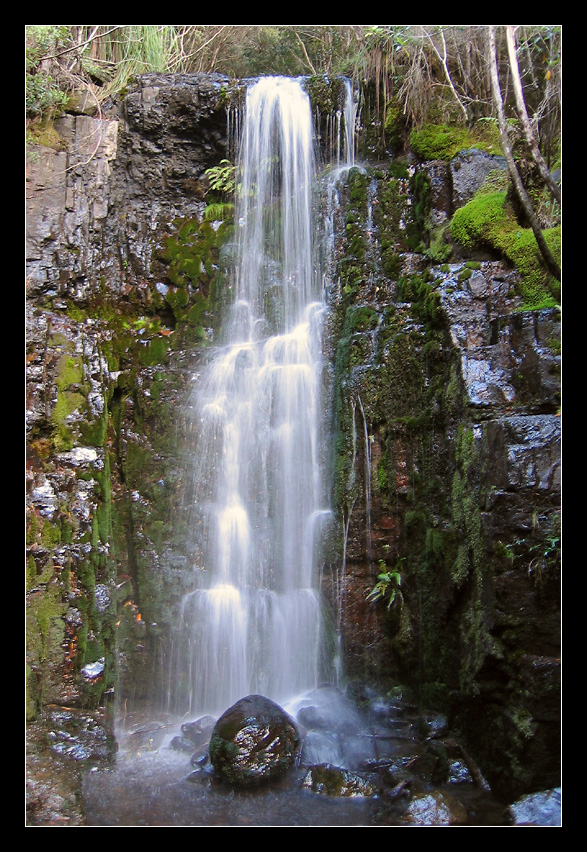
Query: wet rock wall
446, 473
111, 345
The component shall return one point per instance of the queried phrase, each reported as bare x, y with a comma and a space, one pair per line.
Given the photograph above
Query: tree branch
83, 45
305, 51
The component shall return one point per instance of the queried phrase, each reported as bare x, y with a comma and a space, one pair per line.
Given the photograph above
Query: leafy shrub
44, 94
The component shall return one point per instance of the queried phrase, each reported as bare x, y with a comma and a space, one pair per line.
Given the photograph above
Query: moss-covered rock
254, 742
488, 221
443, 142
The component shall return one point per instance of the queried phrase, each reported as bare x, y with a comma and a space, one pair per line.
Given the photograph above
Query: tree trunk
523, 115
549, 260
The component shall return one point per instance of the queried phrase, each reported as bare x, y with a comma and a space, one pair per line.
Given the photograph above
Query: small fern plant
222, 177
387, 585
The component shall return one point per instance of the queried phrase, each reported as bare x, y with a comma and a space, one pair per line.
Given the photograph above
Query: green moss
443, 142
103, 515
31, 572
154, 352
191, 258
488, 221
470, 570
94, 431
394, 123
439, 249
538, 289
424, 298
326, 94
398, 169
361, 318
352, 266
49, 534
417, 226
437, 142
391, 263
46, 134
382, 477
45, 629
393, 214
482, 218
70, 398
178, 298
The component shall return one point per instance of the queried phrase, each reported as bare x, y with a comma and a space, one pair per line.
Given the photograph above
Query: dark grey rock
334, 781
468, 172
254, 741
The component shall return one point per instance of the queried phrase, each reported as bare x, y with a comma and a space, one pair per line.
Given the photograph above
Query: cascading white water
254, 621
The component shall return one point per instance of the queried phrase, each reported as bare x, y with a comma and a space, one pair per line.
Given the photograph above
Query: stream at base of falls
153, 784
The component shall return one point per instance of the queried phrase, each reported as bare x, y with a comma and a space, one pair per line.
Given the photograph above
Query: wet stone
181, 744
540, 809
198, 732
333, 781
254, 741
435, 809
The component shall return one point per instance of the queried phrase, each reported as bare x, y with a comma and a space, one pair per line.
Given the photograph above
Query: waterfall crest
253, 623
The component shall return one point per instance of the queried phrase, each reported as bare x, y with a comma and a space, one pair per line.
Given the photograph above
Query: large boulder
254, 741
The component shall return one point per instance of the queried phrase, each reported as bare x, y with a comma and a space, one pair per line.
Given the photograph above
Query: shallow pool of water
152, 784
155, 790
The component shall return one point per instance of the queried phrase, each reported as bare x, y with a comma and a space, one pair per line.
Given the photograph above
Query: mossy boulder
488, 222
253, 742
443, 141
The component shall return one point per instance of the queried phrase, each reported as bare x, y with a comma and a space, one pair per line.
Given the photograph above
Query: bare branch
80, 47
443, 61
305, 52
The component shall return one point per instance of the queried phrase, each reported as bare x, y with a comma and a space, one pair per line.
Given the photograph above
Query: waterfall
253, 620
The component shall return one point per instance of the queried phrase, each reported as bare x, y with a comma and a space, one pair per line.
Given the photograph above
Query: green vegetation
444, 142
45, 94
419, 290
222, 177
388, 584
415, 74
353, 264
70, 399
191, 258
489, 221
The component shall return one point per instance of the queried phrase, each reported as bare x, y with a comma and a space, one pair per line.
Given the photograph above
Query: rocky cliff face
447, 476
445, 455
111, 329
